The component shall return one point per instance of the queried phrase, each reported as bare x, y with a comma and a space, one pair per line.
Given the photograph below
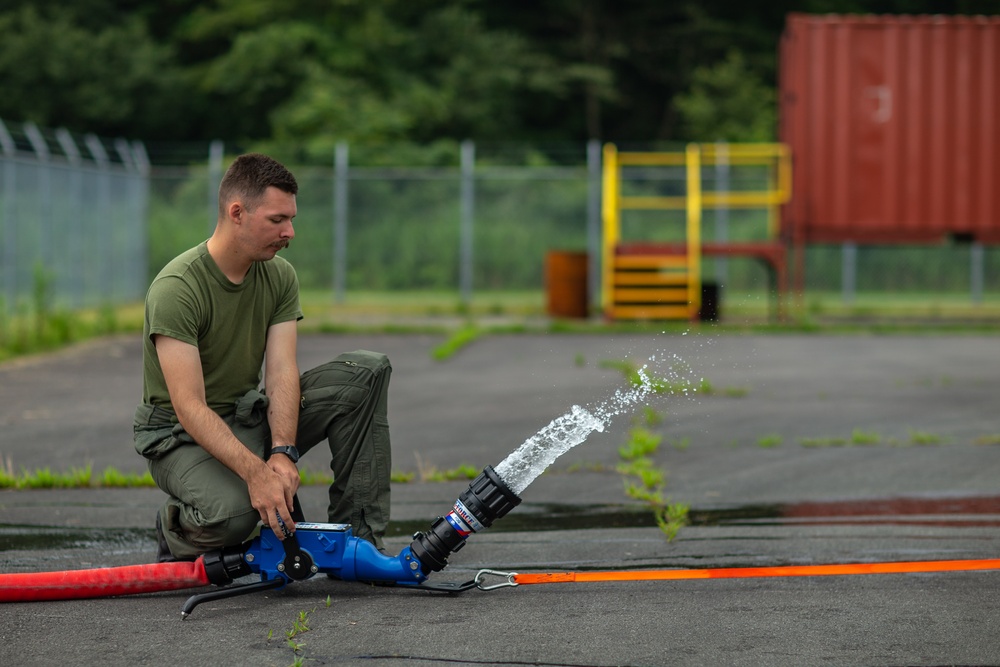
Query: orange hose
102, 582
748, 572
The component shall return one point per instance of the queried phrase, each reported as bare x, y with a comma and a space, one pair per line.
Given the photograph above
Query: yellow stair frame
655, 286
661, 286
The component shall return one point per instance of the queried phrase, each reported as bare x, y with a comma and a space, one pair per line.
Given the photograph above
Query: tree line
312, 73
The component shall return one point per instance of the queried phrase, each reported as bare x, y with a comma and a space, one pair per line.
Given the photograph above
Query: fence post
593, 222
341, 167
8, 230
976, 271
75, 245
45, 227
141, 159
468, 204
96, 149
849, 271
721, 209
216, 153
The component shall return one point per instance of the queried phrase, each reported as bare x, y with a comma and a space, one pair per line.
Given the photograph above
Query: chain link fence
73, 216
94, 219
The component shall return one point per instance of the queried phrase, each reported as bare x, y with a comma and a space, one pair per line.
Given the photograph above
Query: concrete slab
739, 448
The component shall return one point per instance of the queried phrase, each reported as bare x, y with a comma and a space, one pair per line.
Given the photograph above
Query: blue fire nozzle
328, 548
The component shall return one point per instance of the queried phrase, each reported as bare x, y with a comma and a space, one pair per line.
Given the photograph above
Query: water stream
538, 452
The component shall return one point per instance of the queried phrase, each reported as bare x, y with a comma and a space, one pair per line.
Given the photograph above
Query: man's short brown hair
249, 176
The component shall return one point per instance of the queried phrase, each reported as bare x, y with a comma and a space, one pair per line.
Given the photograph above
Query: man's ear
235, 211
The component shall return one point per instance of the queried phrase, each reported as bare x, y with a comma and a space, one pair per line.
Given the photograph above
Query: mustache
281, 244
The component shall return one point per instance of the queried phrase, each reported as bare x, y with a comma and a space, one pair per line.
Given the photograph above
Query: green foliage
309, 73
40, 326
103, 79
727, 102
456, 342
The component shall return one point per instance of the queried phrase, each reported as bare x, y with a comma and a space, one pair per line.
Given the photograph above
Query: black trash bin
710, 295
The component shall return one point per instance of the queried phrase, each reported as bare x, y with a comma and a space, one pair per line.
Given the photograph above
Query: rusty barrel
566, 284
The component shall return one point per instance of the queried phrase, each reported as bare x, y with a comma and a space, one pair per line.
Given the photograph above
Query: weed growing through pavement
991, 439
770, 440
456, 342
925, 438
299, 627
645, 482
859, 437
681, 386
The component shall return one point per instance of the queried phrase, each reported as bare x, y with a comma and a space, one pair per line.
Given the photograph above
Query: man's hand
272, 489
288, 473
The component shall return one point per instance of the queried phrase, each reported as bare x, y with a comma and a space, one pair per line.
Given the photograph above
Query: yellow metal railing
649, 286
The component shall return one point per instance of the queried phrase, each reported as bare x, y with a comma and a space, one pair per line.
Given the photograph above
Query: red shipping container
894, 128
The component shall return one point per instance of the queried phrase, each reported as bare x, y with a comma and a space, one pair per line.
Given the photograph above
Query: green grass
74, 478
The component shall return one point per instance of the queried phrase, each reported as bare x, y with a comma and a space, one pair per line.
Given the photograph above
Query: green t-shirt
193, 301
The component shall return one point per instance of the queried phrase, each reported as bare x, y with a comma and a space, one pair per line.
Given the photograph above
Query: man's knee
376, 362
226, 532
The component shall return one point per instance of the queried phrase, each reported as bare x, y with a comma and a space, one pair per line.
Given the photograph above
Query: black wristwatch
288, 450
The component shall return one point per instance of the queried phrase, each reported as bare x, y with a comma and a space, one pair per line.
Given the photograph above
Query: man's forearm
283, 406
216, 438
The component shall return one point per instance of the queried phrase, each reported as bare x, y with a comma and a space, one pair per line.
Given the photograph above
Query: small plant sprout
641, 443
671, 518
645, 482
651, 417
924, 438
769, 441
859, 437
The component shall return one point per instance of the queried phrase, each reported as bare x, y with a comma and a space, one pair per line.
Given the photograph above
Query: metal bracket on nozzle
487, 499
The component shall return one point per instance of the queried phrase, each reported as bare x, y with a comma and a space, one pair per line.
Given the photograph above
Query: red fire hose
102, 582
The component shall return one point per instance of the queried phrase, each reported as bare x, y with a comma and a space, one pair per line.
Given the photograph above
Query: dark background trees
315, 72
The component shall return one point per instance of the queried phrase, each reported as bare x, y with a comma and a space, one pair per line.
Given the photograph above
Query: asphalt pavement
798, 450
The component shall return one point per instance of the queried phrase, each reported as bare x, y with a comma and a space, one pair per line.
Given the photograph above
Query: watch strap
288, 450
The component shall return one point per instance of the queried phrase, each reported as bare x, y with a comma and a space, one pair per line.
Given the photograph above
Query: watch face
290, 452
